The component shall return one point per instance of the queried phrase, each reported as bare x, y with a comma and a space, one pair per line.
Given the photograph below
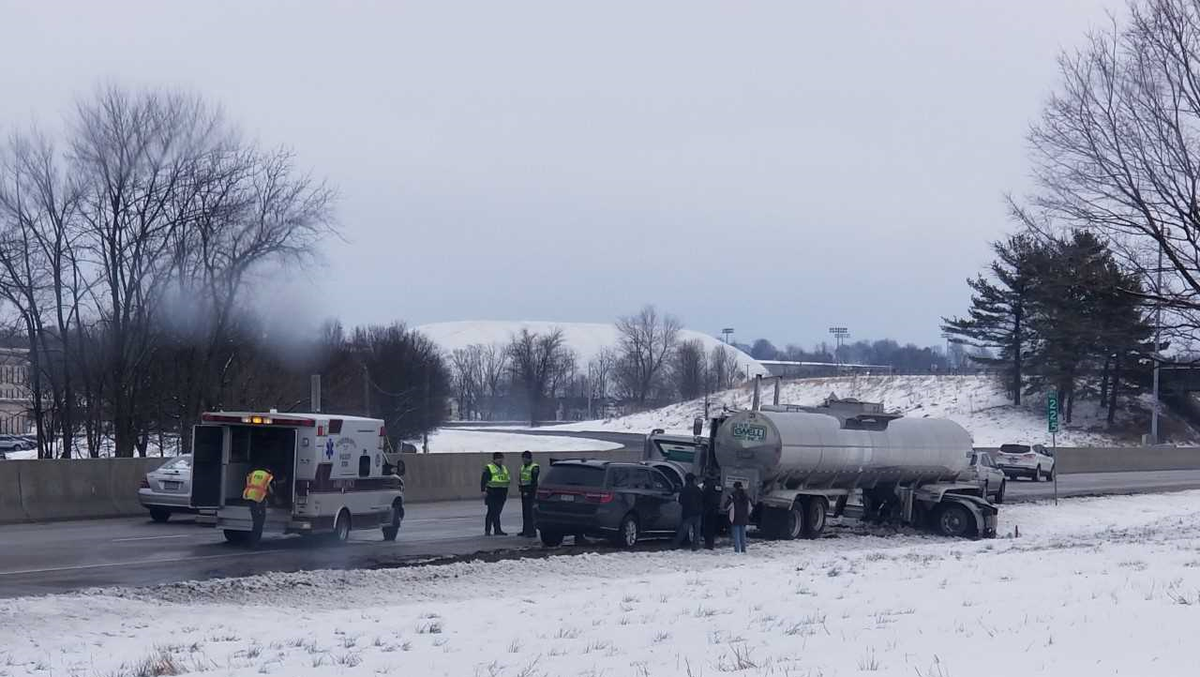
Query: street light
727, 332
839, 335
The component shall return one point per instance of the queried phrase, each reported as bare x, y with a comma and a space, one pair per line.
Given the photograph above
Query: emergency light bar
257, 419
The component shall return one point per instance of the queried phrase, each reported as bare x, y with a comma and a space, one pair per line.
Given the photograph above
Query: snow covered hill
978, 403
586, 339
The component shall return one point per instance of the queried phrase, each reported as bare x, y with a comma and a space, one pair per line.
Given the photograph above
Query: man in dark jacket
692, 501
712, 510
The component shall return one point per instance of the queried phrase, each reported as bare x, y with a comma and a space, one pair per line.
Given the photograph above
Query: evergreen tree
999, 315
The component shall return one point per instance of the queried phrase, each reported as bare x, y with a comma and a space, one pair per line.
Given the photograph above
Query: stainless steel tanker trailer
801, 465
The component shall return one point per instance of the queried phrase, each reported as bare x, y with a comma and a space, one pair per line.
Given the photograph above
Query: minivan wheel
160, 515
551, 539
627, 534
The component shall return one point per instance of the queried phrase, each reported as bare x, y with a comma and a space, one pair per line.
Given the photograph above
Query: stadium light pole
727, 332
839, 335
947, 336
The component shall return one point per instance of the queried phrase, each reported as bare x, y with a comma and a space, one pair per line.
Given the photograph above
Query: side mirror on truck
697, 426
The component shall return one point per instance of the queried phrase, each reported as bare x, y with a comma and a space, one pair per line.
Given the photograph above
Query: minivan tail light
544, 493
1026, 455
598, 496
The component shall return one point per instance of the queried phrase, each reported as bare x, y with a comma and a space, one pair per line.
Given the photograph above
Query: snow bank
586, 339
455, 440
1092, 587
978, 403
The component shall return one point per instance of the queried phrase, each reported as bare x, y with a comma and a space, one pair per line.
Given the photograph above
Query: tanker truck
802, 465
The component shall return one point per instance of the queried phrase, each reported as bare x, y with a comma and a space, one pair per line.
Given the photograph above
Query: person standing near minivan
692, 502
738, 505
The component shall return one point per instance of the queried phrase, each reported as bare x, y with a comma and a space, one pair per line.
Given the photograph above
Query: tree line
131, 245
908, 358
533, 373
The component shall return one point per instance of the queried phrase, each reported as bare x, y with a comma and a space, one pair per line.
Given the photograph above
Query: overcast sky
773, 167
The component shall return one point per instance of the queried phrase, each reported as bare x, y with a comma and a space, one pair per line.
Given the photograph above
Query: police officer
494, 485
257, 490
528, 481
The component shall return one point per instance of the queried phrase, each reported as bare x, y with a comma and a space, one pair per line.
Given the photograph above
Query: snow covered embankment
1093, 587
978, 403
457, 440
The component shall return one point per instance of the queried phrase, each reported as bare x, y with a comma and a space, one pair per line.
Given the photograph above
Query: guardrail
34, 491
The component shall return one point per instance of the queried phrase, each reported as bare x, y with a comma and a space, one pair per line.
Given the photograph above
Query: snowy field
457, 440
978, 403
1092, 587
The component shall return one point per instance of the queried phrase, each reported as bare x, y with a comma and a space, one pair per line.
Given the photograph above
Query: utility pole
366, 391
948, 364
314, 396
1157, 343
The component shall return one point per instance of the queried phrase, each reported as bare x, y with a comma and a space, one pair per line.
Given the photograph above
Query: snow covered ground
1092, 587
978, 403
448, 440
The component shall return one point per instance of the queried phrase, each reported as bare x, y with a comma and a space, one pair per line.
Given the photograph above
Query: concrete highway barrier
92, 488
451, 477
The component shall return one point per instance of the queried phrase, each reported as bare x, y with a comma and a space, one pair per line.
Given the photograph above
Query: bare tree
647, 340
494, 372
1117, 149
689, 369
724, 368
537, 361
466, 372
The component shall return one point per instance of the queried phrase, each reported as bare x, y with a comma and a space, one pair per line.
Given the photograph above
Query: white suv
1024, 460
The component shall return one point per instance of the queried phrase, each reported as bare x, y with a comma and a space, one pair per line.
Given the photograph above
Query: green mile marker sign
1052, 410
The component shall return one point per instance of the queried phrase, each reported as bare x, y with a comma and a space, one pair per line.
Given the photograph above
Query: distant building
15, 398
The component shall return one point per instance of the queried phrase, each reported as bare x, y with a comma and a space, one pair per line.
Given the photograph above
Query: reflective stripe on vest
257, 484
527, 474
499, 475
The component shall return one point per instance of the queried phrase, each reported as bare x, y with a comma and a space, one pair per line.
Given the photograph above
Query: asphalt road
65, 556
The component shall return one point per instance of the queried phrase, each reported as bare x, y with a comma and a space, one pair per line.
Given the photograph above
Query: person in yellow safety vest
494, 485
528, 483
258, 490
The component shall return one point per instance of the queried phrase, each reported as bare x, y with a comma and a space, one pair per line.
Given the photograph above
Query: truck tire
816, 510
551, 539
393, 527
341, 528
953, 521
627, 534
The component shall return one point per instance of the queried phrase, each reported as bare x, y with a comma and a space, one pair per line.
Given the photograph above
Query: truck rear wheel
953, 520
815, 512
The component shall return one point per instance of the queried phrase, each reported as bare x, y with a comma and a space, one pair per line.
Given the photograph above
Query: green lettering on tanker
749, 432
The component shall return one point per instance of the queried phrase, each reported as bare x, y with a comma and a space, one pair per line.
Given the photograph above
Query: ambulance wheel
341, 528
241, 537
390, 531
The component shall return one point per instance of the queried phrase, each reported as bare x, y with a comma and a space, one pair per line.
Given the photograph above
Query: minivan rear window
575, 476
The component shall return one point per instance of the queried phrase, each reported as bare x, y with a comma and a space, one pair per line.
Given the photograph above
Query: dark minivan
623, 502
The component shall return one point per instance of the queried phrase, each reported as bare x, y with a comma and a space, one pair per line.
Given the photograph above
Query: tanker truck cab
801, 465
333, 474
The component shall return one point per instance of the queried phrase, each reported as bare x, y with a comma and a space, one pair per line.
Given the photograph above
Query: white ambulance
333, 474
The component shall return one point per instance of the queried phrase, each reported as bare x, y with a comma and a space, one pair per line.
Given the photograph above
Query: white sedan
1024, 460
